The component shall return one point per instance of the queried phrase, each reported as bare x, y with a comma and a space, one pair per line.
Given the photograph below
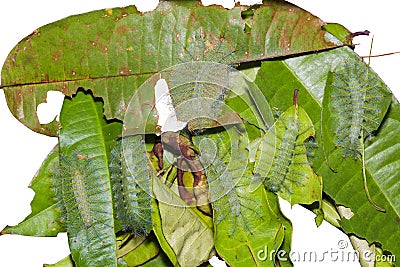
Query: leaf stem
378, 208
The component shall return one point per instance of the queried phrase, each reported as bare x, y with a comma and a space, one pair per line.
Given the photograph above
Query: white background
22, 151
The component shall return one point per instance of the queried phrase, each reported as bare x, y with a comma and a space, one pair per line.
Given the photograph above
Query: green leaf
282, 255
339, 31
244, 224
307, 74
242, 247
158, 231
85, 142
186, 229
350, 183
330, 213
113, 51
127, 242
146, 251
385, 260
66, 262
385, 143
382, 157
46, 216
160, 261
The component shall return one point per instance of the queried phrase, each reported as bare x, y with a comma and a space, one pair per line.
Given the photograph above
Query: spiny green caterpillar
228, 184
85, 198
281, 160
355, 102
131, 183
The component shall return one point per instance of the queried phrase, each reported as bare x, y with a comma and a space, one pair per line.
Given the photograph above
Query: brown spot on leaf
102, 47
45, 77
124, 71
284, 40
55, 57
121, 29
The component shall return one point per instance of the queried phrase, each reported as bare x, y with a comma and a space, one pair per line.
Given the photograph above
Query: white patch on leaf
50, 110
167, 119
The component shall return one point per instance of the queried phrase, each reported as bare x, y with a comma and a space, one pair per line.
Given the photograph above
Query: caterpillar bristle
228, 189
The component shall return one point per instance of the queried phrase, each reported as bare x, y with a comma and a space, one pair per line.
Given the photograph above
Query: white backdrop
22, 151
